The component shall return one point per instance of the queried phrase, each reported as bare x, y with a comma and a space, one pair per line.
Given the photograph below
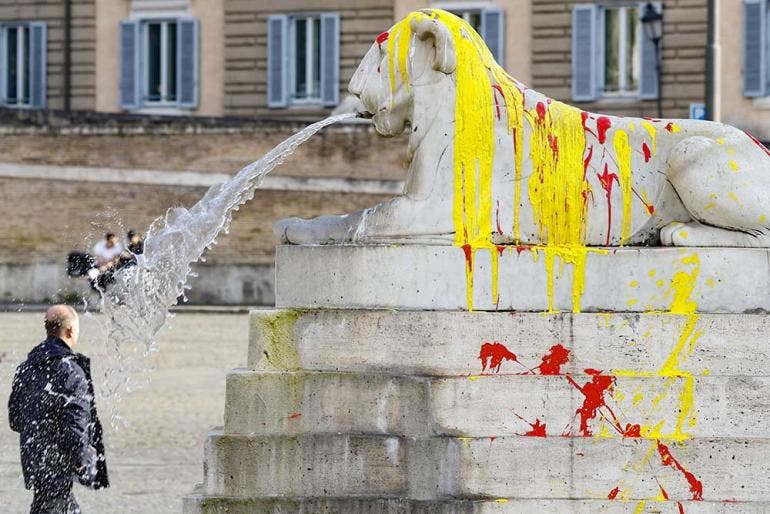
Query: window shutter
493, 32
330, 59
754, 47
3, 65
37, 64
188, 77
584, 52
129, 65
277, 55
648, 81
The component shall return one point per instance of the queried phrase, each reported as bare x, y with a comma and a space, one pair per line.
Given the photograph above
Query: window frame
622, 94
144, 58
21, 64
309, 19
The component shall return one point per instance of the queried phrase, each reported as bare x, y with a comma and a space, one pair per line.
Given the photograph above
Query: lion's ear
427, 27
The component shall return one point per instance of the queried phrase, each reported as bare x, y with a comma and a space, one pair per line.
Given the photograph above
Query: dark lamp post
652, 21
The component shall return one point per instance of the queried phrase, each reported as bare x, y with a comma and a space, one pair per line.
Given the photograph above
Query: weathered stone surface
734, 280
448, 343
292, 403
200, 504
307, 402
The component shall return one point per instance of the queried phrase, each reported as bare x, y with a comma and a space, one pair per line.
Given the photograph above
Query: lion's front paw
670, 232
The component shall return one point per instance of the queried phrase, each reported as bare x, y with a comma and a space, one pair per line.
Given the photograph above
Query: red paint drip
553, 142
541, 111
497, 89
584, 116
594, 392
650, 208
492, 356
758, 143
681, 507
500, 249
603, 124
606, 182
587, 160
468, 255
556, 357
497, 219
646, 151
382, 38
696, 487
613, 494
295, 415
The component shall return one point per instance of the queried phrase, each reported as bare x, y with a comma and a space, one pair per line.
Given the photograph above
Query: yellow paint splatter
652, 272
762, 218
633, 283
733, 165
710, 282
683, 234
465, 440
623, 156
640, 507
720, 140
473, 378
733, 197
710, 205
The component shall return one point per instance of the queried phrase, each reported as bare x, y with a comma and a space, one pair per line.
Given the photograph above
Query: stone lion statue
492, 162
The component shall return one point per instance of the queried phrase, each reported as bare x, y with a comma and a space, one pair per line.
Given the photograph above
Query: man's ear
428, 29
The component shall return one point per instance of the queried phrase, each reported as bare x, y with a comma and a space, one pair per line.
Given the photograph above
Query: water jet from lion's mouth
137, 303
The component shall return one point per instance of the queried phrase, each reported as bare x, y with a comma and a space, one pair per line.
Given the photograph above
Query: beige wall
518, 30
211, 15
746, 113
108, 16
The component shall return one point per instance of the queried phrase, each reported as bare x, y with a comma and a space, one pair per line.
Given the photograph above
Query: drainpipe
713, 86
67, 54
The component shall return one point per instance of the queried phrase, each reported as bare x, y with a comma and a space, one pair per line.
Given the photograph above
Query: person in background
135, 244
107, 251
52, 408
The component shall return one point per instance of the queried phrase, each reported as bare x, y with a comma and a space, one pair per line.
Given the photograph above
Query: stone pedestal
375, 409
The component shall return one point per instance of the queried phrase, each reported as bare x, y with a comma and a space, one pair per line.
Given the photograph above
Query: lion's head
416, 51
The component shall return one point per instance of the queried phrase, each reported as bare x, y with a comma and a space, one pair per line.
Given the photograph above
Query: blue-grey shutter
493, 32
3, 65
130, 74
38, 38
277, 55
584, 54
188, 45
754, 47
648, 81
330, 59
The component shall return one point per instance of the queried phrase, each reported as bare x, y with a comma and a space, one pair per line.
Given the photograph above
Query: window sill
162, 111
762, 103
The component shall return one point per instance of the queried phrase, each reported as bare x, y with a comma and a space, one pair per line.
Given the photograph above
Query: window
756, 48
303, 56
22, 64
160, 50
611, 55
621, 50
487, 21
159, 63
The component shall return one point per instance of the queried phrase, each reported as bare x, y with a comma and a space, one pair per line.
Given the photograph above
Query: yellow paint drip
623, 156
650, 128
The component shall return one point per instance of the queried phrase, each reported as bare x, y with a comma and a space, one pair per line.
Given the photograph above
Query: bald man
52, 408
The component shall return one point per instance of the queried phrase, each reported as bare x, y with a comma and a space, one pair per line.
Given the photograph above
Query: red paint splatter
606, 182
670, 126
650, 208
587, 160
696, 487
538, 429
758, 143
594, 392
584, 116
603, 124
295, 415
492, 356
382, 38
613, 494
501, 249
553, 142
497, 219
468, 255
646, 151
556, 357
632, 430
492, 438
521, 248
541, 111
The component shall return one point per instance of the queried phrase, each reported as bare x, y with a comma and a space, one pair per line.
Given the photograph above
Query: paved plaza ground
157, 457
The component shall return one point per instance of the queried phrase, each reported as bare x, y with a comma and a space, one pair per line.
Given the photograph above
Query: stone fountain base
373, 410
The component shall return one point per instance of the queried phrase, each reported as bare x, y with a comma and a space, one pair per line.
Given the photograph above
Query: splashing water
137, 303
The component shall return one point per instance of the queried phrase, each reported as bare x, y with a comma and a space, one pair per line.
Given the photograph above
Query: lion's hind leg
724, 183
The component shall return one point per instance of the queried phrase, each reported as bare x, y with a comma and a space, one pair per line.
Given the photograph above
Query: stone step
449, 343
505, 467
423, 277
201, 504
292, 403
